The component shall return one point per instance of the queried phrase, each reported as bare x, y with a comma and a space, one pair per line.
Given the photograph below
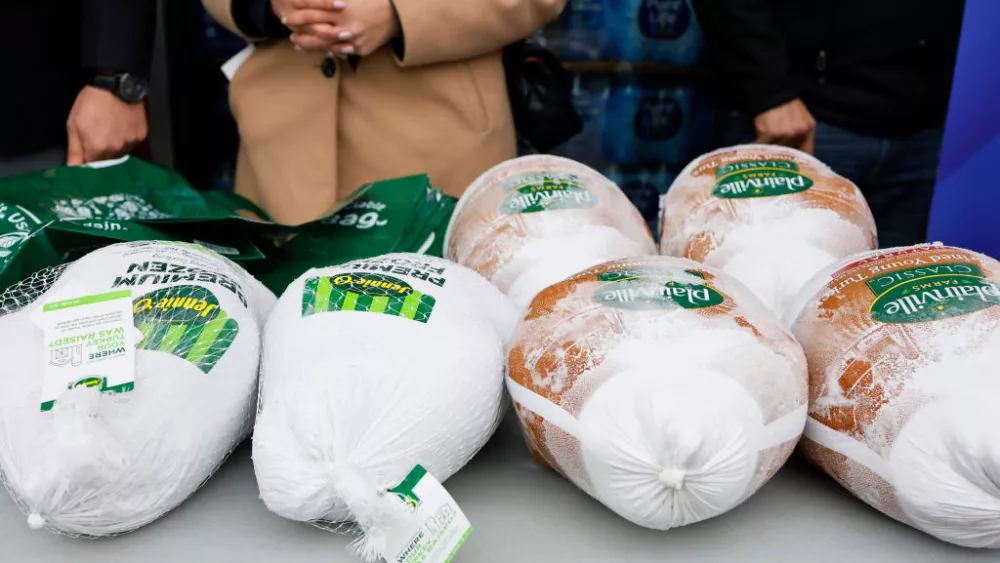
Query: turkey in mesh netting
662, 388
904, 361
94, 459
770, 216
534, 220
371, 368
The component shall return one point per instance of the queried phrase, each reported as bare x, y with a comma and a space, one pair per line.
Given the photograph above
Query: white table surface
520, 512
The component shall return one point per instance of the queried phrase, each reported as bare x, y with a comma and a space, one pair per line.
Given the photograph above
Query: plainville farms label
759, 178
366, 292
654, 288
185, 321
931, 292
544, 192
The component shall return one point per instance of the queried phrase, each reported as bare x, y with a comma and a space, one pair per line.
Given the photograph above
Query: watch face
132, 89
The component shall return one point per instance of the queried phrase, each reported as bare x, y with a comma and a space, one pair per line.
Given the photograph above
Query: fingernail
284, 20
347, 50
345, 36
339, 4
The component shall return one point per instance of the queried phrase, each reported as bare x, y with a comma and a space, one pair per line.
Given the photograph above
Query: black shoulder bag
540, 96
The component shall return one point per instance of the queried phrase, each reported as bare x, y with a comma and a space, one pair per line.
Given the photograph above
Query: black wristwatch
129, 88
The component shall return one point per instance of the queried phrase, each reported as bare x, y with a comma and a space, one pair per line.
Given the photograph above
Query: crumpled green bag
54, 216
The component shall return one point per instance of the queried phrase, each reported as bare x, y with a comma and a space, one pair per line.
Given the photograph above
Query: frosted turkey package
371, 368
662, 388
904, 359
770, 216
111, 451
534, 220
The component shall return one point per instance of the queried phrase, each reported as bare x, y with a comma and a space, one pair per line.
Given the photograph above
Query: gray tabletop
520, 512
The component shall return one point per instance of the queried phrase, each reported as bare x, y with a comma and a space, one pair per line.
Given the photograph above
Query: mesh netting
25, 293
106, 459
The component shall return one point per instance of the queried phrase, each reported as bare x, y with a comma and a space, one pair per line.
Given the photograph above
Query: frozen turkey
532, 221
770, 216
904, 363
662, 388
371, 368
167, 337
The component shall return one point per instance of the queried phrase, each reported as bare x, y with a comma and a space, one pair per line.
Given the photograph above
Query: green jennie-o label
931, 293
545, 192
759, 178
368, 292
654, 288
185, 321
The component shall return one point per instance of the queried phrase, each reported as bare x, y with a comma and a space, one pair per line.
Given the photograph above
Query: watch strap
107, 82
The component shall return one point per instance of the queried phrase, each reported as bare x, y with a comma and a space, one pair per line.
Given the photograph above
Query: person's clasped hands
338, 27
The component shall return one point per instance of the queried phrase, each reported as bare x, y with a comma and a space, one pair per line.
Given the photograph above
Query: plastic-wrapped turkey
99, 457
372, 368
534, 220
904, 361
662, 388
770, 216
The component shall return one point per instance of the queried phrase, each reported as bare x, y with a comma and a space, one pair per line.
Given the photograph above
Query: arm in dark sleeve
118, 35
749, 50
255, 18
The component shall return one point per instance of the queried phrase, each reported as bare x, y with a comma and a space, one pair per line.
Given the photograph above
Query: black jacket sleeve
749, 51
118, 35
256, 19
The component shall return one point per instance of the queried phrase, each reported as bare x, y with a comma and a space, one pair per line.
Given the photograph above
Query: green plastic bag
401, 215
54, 216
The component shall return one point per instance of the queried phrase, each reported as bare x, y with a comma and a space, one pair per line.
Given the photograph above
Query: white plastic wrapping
904, 359
770, 216
371, 368
662, 388
100, 464
534, 220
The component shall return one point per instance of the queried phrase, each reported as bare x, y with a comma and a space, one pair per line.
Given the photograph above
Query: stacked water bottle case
635, 68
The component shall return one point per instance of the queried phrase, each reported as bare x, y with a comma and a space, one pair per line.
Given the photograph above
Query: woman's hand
361, 27
323, 16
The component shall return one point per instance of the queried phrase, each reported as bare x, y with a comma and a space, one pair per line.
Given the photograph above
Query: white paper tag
438, 527
230, 67
90, 341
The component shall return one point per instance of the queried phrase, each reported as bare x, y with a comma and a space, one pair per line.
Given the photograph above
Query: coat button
329, 68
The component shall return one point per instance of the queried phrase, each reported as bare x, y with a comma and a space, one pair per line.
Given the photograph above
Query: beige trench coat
308, 140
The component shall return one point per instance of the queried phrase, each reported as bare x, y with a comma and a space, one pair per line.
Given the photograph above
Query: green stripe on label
350, 300
88, 300
364, 303
205, 340
172, 338
323, 289
379, 304
147, 330
458, 546
410, 304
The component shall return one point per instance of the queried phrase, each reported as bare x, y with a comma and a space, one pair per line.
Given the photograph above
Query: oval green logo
544, 192
759, 178
931, 293
652, 288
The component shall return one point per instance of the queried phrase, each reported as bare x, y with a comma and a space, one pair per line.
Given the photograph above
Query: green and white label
931, 293
436, 529
654, 288
759, 178
186, 321
89, 342
545, 192
368, 292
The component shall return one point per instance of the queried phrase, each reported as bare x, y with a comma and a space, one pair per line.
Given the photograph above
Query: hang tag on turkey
438, 527
90, 341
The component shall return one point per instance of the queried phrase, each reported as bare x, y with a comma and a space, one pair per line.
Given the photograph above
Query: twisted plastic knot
673, 478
